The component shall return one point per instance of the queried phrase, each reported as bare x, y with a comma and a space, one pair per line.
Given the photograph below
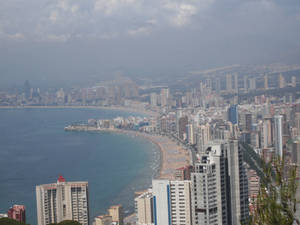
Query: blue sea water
35, 149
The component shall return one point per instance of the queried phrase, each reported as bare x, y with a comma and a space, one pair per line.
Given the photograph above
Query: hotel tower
62, 201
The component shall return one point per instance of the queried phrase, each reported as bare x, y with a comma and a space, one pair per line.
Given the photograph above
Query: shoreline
120, 108
172, 156
169, 150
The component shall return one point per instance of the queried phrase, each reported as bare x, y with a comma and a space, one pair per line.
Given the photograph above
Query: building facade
144, 208
61, 201
171, 202
220, 186
17, 212
278, 134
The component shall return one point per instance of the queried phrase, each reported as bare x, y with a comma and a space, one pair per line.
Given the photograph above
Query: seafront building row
217, 192
220, 183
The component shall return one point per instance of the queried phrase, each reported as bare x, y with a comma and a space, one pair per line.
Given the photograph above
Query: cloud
182, 12
109, 6
62, 20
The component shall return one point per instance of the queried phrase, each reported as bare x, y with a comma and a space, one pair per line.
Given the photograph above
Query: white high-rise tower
62, 201
219, 186
278, 134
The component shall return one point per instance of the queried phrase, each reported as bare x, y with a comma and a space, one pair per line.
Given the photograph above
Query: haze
59, 41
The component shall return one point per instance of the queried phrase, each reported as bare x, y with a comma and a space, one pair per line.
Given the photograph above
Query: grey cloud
143, 36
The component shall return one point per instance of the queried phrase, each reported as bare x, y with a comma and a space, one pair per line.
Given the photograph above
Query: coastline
172, 155
119, 108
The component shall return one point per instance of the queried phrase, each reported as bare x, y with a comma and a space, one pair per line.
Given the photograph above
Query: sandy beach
172, 157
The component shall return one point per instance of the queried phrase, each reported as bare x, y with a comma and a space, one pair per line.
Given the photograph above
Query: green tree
8, 221
276, 201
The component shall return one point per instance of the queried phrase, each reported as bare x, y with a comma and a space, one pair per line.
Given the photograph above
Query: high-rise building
191, 137
266, 82
164, 96
219, 186
27, 89
208, 189
153, 99
238, 184
144, 208
248, 121
278, 134
245, 84
236, 83
293, 81
203, 136
228, 82
172, 202
17, 212
218, 85
117, 214
61, 201
252, 83
281, 81
233, 114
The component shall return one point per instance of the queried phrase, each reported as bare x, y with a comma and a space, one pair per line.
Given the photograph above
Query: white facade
153, 99
278, 134
62, 201
171, 202
161, 202
180, 202
207, 182
164, 96
219, 186
144, 209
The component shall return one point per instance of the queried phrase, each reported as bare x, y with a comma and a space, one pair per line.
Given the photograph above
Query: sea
35, 149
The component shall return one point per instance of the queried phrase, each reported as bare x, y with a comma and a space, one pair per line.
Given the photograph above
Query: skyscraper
233, 114
171, 202
208, 194
236, 83
266, 82
191, 134
164, 96
144, 208
278, 134
245, 84
219, 186
281, 81
153, 99
61, 201
238, 184
248, 121
293, 81
252, 83
17, 212
228, 82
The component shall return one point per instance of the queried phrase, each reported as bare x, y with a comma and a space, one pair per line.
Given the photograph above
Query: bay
35, 149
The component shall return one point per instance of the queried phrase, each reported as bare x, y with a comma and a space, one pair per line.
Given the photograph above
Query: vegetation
253, 159
7, 221
276, 201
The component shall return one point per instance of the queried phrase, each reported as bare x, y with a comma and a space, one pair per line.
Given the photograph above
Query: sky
66, 41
